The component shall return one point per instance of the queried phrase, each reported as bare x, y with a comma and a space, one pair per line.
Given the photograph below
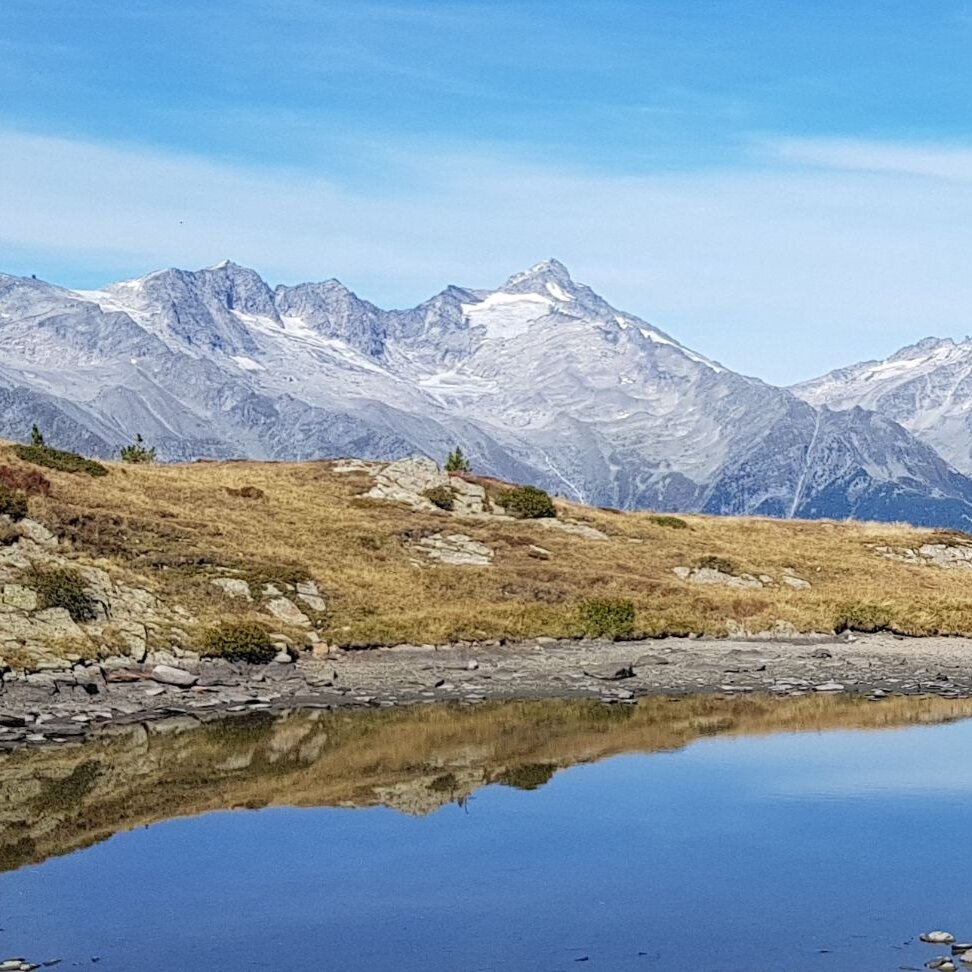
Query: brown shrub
13, 504
246, 492
29, 481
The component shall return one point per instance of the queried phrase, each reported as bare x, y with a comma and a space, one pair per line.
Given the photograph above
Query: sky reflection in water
790, 852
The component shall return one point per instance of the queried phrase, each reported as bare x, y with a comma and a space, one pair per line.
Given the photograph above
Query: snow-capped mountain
540, 381
926, 387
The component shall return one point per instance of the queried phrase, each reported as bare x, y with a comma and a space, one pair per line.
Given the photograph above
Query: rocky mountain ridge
541, 381
926, 387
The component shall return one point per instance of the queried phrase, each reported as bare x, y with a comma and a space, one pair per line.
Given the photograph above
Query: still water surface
791, 851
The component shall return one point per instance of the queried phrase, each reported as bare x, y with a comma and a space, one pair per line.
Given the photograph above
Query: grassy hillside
173, 529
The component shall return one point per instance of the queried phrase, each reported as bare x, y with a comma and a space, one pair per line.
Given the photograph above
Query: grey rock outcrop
409, 480
950, 556
233, 587
454, 548
710, 576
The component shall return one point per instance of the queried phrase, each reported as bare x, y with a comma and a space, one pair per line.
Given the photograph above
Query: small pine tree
36, 439
456, 462
136, 452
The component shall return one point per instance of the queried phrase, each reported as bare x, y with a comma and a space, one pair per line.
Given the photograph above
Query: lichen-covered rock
951, 556
288, 612
584, 530
233, 587
36, 533
713, 577
470, 498
20, 596
456, 549
409, 480
134, 637
307, 591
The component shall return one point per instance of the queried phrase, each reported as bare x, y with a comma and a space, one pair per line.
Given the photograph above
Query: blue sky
784, 186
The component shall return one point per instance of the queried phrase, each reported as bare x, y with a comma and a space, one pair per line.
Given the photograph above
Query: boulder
233, 587
36, 533
308, 592
168, 675
288, 612
132, 634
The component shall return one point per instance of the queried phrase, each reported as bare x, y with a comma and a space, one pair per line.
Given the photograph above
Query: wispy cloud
814, 254
933, 161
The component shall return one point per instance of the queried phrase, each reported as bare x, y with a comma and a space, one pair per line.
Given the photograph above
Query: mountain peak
539, 276
924, 345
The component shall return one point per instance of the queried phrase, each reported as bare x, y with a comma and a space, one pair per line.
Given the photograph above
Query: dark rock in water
821, 653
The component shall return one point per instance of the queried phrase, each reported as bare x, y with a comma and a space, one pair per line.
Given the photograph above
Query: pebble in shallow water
938, 937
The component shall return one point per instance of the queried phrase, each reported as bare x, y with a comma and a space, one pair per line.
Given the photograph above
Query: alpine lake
700, 833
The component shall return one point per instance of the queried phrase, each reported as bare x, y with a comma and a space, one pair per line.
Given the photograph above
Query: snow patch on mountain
504, 316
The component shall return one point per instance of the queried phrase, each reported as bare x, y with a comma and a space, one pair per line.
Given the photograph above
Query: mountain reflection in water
56, 800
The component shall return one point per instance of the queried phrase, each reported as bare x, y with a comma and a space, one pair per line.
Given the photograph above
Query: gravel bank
47, 708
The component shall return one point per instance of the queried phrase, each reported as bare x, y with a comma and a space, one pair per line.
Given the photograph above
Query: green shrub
527, 776
441, 496
62, 587
712, 562
456, 462
42, 455
607, 617
136, 452
13, 503
673, 522
446, 783
239, 641
528, 503
862, 616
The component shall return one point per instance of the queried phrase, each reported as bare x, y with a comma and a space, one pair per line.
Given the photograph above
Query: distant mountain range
539, 381
926, 387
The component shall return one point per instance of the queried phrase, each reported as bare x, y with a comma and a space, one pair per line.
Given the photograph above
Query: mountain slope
927, 387
541, 380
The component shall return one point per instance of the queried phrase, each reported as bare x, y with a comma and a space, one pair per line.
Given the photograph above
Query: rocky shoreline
44, 708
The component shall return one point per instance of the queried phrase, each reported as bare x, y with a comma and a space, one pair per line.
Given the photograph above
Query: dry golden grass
171, 526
